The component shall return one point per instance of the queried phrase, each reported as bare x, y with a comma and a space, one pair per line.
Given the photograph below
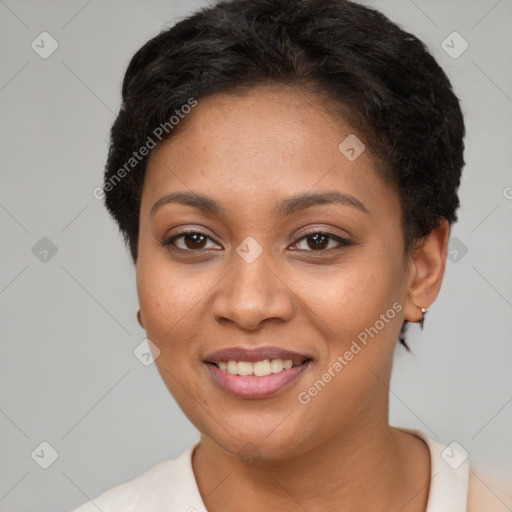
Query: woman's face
258, 284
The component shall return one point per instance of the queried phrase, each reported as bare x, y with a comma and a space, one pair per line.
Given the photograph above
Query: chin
257, 442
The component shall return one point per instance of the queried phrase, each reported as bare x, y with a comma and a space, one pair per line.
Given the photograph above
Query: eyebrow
284, 208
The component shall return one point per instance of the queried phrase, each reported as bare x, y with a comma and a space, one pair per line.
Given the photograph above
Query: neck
368, 468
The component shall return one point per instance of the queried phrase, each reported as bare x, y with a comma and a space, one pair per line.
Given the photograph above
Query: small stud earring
421, 321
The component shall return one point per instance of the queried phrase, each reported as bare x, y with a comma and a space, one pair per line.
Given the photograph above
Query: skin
247, 152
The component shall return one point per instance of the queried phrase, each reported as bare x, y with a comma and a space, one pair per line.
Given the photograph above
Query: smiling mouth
256, 372
257, 368
256, 379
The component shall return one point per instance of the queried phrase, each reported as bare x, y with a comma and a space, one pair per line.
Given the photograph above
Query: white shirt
170, 486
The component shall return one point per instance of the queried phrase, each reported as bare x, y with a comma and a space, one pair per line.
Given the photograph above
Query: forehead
261, 144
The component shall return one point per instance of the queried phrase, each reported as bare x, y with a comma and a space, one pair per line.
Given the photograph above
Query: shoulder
456, 484
485, 496
163, 484
449, 474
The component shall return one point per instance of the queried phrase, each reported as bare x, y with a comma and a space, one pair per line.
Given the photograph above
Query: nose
252, 293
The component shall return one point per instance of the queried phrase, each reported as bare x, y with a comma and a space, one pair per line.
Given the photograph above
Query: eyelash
343, 242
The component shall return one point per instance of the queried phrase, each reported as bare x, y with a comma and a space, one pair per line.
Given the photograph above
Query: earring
421, 321
139, 318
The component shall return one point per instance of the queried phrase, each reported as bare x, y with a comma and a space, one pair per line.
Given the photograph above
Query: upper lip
254, 354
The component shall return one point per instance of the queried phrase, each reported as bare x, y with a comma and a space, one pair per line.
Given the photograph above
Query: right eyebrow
199, 201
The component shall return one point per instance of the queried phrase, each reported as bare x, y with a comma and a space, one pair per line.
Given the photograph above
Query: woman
285, 173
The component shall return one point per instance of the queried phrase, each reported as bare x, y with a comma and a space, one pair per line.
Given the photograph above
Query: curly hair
379, 78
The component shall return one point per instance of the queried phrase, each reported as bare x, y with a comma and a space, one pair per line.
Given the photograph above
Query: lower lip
251, 386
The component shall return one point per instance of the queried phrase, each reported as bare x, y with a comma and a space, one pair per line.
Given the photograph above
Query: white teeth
276, 365
232, 367
259, 368
245, 368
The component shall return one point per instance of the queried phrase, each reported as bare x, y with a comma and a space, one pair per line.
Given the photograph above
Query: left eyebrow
284, 208
303, 201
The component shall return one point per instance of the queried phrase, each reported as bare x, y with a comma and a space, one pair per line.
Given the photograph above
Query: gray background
68, 330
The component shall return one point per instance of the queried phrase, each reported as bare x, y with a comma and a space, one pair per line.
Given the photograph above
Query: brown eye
188, 241
194, 241
319, 241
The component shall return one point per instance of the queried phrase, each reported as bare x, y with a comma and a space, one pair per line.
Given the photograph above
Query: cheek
169, 300
352, 297
163, 300
348, 381
167, 292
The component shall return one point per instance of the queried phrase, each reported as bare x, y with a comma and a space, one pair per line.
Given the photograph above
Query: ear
426, 271
140, 319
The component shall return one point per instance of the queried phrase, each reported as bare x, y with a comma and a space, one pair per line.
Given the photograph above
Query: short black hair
382, 80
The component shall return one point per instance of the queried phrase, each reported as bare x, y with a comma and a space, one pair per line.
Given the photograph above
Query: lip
254, 354
252, 386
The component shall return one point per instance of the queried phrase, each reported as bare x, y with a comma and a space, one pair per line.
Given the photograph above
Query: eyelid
342, 241
191, 231
169, 240
321, 231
